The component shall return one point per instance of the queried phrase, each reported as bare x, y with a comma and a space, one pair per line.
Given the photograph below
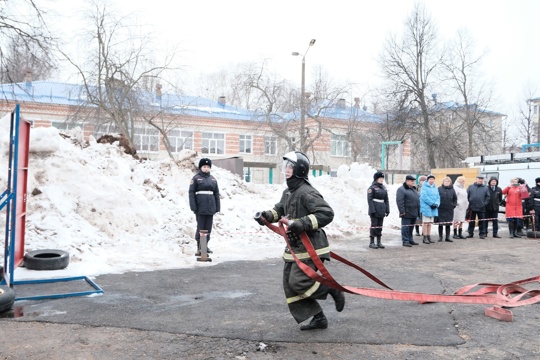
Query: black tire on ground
48, 259
7, 298
533, 234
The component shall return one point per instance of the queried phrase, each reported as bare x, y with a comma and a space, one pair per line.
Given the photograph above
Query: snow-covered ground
114, 213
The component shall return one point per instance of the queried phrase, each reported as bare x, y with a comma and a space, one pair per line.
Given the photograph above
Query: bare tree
119, 64
527, 125
410, 64
474, 96
278, 104
25, 43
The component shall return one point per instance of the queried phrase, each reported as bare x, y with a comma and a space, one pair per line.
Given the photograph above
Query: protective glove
296, 227
434, 206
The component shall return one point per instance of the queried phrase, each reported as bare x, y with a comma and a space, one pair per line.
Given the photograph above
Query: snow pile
114, 213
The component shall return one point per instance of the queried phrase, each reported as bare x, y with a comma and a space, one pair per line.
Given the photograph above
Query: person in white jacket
460, 212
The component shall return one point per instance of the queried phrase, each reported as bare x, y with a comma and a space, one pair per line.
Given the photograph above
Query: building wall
43, 115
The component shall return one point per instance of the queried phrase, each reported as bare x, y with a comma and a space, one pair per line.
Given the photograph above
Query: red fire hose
498, 295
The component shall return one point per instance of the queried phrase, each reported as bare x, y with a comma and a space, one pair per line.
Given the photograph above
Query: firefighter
308, 212
204, 201
378, 208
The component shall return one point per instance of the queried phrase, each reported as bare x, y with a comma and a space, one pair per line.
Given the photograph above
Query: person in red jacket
514, 209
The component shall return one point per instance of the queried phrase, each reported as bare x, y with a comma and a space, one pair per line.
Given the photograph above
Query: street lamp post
303, 96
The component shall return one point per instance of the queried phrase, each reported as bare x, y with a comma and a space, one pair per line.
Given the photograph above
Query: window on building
339, 146
104, 129
146, 139
213, 143
64, 125
180, 140
270, 145
535, 107
246, 144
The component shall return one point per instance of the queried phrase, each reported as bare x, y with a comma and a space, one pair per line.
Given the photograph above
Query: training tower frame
14, 200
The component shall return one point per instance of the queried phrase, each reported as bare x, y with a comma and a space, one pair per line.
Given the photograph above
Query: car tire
7, 298
48, 259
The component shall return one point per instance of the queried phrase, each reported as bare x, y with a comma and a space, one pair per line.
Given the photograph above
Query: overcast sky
350, 35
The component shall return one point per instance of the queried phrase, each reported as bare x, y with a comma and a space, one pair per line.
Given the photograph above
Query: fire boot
379, 244
319, 321
339, 299
372, 243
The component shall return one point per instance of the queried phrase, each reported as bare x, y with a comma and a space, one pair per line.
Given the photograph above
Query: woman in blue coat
429, 202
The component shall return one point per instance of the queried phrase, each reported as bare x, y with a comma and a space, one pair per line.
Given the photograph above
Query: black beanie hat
205, 161
377, 175
537, 180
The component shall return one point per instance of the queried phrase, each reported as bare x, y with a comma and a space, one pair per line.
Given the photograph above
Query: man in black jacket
478, 196
535, 204
492, 208
408, 204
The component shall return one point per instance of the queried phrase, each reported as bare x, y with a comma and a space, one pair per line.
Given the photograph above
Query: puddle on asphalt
212, 295
18, 312
15, 312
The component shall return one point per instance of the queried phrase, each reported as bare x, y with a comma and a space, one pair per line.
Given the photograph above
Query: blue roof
452, 105
50, 92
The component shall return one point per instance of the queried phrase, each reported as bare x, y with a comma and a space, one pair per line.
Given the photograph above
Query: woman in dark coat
446, 209
204, 200
378, 208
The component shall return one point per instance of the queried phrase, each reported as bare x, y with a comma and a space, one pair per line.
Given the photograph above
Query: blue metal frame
383, 153
97, 290
11, 202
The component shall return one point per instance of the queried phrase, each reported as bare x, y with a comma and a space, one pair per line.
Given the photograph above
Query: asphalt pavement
237, 309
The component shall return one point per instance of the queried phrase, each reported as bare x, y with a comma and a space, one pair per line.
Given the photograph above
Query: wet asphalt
244, 299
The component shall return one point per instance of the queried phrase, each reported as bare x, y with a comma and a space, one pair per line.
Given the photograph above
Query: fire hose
500, 296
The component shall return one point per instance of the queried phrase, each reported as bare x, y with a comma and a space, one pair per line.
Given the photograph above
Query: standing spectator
525, 193
535, 204
514, 210
409, 207
492, 208
204, 200
448, 199
460, 212
378, 208
429, 202
478, 196
419, 220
